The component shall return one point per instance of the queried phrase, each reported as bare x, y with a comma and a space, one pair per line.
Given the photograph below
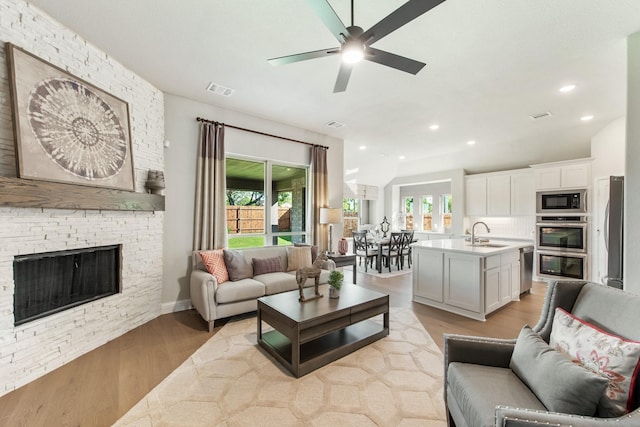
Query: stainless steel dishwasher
526, 268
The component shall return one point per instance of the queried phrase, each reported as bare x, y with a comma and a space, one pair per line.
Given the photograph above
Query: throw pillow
613, 357
298, 257
314, 250
266, 265
237, 266
214, 261
561, 385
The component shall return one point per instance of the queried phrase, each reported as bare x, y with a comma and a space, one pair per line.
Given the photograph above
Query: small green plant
335, 279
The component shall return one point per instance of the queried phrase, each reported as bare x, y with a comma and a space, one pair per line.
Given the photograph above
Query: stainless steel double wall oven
561, 234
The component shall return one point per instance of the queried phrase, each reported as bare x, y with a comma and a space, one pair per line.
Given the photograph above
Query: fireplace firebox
50, 282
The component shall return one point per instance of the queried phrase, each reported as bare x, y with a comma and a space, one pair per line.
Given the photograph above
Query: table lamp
330, 216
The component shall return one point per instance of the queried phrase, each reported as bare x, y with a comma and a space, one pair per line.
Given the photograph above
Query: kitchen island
470, 280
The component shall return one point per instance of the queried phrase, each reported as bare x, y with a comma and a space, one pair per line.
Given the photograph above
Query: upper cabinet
500, 194
561, 175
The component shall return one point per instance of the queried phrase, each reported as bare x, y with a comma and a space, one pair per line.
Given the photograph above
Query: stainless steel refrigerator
613, 232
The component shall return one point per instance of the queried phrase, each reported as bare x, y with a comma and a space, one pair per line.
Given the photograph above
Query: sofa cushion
561, 385
240, 290
298, 257
266, 265
478, 389
611, 356
277, 282
214, 261
237, 265
314, 250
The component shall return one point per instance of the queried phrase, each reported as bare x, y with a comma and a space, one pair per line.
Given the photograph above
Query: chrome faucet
473, 230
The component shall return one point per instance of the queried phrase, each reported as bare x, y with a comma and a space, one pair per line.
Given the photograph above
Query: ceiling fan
355, 43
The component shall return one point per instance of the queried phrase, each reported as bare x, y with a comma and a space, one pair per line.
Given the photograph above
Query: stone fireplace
36, 347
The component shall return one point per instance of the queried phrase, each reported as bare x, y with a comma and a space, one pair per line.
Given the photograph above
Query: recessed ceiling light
351, 171
401, 157
471, 142
434, 127
586, 118
363, 147
567, 88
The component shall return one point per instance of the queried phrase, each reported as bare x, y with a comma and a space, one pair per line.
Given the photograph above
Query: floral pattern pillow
613, 357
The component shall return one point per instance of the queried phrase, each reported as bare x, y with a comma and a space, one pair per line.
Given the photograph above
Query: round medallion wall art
77, 129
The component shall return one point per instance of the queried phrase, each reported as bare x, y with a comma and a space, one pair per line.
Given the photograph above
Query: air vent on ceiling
334, 124
220, 90
540, 115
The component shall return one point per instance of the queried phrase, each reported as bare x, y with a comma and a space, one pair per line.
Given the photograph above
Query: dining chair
362, 249
407, 239
393, 250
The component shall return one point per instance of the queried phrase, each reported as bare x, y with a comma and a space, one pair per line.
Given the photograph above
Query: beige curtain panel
320, 195
210, 227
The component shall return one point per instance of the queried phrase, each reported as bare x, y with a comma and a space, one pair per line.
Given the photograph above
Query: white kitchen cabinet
469, 281
523, 194
462, 287
501, 277
499, 195
561, 175
476, 196
428, 275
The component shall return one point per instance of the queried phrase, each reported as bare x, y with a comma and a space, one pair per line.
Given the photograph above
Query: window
350, 216
446, 211
427, 213
250, 184
408, 213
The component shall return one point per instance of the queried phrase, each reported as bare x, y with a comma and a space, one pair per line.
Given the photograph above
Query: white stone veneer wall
31, 350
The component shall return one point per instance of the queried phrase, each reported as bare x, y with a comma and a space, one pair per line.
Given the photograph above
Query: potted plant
335, 283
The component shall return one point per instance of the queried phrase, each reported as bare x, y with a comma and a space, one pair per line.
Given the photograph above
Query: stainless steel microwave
561, 202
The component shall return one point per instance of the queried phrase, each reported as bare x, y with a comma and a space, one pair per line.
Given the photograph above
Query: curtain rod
200, 119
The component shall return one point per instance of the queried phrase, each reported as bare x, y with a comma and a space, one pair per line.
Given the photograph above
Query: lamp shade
330, 215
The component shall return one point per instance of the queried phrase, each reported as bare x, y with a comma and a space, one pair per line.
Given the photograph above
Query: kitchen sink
487, 245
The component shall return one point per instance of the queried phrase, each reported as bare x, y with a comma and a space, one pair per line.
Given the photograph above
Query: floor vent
220, 90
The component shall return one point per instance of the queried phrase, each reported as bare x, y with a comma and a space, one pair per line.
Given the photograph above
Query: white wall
608, 150
632, 175
182, 132
35, 348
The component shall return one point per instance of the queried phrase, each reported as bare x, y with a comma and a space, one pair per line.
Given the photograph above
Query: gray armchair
477, 395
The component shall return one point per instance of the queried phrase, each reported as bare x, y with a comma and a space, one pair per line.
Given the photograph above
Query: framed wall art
67, 130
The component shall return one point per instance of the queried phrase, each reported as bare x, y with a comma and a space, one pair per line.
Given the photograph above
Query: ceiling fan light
352, 52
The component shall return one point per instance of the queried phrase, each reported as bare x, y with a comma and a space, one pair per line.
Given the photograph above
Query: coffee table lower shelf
325, 349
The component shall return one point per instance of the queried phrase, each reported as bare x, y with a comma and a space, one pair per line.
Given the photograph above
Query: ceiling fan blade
325, 12
303, 56
394, 61
396, 19
343, 77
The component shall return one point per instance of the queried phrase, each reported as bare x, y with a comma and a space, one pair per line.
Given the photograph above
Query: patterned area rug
229, 381
373, 272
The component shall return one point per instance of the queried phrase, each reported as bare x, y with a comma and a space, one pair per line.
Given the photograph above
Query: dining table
381, 242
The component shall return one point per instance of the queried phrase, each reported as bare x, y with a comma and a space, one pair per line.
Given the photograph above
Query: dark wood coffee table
311, 334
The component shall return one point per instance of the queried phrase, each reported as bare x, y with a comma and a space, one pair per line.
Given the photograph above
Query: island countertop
492, 247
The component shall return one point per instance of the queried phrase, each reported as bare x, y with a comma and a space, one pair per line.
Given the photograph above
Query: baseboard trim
172, 307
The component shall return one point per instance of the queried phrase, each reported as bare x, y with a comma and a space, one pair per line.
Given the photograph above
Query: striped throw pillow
214, 261
298, 257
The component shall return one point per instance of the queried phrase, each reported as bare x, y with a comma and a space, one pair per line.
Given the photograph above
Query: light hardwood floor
98, 388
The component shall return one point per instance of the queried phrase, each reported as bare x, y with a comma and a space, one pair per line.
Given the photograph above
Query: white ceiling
490, 65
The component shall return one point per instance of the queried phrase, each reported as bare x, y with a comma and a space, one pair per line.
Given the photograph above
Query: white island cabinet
468, 280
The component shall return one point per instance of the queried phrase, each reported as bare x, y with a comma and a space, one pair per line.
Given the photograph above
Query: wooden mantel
27, 193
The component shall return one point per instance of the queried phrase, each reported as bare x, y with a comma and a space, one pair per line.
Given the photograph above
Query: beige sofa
216, 301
